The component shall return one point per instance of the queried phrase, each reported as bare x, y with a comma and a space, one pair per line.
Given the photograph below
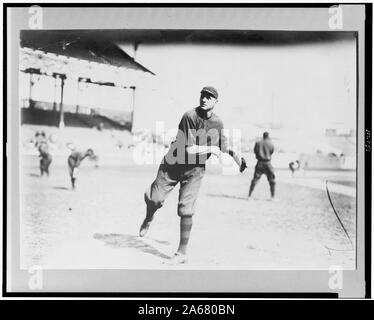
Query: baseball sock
185, 230
251, 188
150, 213
272, 189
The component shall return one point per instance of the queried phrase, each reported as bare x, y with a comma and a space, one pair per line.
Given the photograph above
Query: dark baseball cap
211, 91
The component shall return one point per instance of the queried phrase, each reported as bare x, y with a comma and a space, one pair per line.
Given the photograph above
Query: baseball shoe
178, 258
144, 228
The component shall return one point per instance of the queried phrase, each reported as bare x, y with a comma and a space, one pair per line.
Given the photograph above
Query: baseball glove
243, 165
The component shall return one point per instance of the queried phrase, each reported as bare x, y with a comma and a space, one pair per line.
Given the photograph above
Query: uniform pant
168, 176
266, 168
45, 162
72, 164
73, 170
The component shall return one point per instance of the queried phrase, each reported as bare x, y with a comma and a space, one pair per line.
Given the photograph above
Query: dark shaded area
81, 45
129, 241
102, 45
245, 37
52, 118
61, 188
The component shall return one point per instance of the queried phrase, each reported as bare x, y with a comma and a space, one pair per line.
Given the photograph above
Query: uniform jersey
43, 149
76, 158
45, 158
263, 150
195, 128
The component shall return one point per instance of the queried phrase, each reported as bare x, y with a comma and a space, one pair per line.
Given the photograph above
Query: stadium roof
104, 46
80, 45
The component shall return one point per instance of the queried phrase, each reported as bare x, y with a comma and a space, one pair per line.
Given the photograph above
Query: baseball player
74, 161
263, 150
41, 144
199, 136
294, 166
45, 158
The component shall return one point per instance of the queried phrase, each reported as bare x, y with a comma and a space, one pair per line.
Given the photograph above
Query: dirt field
96, 226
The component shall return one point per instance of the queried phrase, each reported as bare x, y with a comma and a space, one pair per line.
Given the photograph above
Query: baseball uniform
263, 150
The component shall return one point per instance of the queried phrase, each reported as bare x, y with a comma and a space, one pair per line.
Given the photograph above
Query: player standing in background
74, 161
199, 136
294, 166
263, 150
42, 145
45, 158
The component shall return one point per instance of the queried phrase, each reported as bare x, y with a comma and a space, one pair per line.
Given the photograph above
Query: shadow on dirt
35, 175
237, 197
116, 240
226, 196
61, 188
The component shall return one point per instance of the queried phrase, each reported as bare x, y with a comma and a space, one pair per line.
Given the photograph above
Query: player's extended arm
80, 159
240, 161
195, 149
201, 150
237, 157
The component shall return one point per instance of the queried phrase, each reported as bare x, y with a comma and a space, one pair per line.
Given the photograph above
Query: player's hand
243, 165
215, 150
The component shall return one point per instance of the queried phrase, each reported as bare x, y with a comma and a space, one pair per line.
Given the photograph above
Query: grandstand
77, 80
52, 118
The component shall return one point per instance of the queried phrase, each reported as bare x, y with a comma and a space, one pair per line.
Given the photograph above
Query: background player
74, 161
263, 150
294, 166
45, 158
42, 145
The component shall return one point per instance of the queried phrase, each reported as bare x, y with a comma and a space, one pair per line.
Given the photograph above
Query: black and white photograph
171, 148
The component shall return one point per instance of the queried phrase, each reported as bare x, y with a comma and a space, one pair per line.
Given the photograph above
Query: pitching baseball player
199, 136
263, 150
74, 161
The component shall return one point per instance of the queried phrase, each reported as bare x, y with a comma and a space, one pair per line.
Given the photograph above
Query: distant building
340, 130
330, 133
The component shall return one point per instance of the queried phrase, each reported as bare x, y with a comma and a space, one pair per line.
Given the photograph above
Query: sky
305, 87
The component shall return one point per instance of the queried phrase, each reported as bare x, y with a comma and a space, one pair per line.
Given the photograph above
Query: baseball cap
210, 90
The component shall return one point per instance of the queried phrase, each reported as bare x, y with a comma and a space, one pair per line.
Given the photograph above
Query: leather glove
243, 165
